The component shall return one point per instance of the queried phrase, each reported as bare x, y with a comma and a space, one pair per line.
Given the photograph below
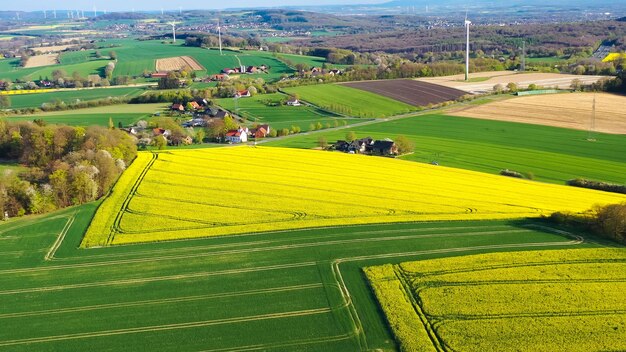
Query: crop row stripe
154, 328
163, 301
157, 278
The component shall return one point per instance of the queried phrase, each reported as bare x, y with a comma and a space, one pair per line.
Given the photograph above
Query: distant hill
114, 16
473, 3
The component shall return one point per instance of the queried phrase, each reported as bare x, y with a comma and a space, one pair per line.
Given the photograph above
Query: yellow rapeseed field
614, 57
556, 300
223, 191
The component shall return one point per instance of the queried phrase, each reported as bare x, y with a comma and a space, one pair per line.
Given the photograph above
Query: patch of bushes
511, 173
597, 185
607, 221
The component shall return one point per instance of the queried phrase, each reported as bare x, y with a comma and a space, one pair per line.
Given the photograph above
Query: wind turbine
162, 12
173, 24
467, 48
54, 12
219, 33
45, 14
95, 11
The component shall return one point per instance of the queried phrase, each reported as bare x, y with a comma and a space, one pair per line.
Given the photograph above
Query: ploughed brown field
178, 63
409, 91
569, 110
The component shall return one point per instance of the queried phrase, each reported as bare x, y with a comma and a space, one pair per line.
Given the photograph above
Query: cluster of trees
180, 96
228, 89
319, 126
61, 79
176, 79
210, 41
608, 221
60, 105
597, 185
65, 165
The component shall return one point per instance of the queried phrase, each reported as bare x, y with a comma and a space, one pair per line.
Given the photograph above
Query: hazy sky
128, 5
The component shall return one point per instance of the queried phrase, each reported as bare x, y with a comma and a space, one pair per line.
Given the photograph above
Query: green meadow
350, 101
297, 290
71, 96
127, 114
268, 108
550, 154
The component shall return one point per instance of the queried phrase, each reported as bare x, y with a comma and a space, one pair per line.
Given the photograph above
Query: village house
260, 131
160, 132
243, 94
385, 147
195, 105
293, 102
196, 122
239, 135
220, 114
178, 107
159, 75
219, 77
367, 145
187, 140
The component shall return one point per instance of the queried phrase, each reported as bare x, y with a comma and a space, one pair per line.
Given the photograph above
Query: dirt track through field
409, 91
178, 63
562, 110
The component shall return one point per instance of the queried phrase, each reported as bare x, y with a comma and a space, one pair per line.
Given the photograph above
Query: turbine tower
95, 11
467, 48
54, 13
173, 24
219, 34
45, 14
523, 64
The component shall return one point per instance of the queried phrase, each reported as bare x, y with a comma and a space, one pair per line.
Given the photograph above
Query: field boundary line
263, 249
57, 243
129, 197
264, 242
428, 326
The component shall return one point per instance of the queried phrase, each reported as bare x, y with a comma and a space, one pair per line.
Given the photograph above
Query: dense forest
59, 165
541, 39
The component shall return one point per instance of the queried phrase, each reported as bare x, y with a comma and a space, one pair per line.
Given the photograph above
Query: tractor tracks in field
129, 196
358, 327
166, 327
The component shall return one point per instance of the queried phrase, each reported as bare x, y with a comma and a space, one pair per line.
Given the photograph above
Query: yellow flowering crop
558, 300
614, 57
222, 191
